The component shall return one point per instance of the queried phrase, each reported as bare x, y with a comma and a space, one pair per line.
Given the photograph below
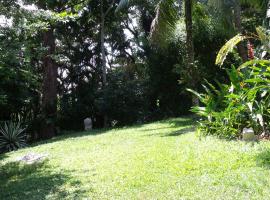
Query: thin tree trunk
190, 50
102, 43
189, 39
49, 87
103, 56
103, 15
237, 21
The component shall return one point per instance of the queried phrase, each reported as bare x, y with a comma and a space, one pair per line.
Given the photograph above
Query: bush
123, 100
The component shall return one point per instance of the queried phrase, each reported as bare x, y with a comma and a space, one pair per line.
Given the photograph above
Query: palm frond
122, 4
164, 24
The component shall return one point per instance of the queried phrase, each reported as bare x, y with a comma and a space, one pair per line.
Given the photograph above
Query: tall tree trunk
103, 55
189, 39
237, 21
193, 79
49, 86
103, 15
102, 43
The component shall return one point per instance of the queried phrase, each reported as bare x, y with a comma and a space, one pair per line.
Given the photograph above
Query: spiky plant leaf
12, 136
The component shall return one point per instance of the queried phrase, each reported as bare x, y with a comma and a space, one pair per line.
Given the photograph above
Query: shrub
124, 98
12, 136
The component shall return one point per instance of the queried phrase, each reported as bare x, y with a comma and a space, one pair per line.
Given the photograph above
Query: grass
162, 160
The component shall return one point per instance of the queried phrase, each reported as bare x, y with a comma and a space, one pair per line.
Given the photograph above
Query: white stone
88, 124
31, 158
248, 134
268, 13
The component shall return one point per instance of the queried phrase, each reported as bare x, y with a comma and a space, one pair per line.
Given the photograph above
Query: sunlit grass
162, 160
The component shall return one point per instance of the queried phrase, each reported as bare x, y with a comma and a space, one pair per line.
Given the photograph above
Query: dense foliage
118, 62
244, 101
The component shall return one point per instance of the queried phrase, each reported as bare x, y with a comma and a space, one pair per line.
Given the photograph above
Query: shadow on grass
35, 181
180, 132
172, 123
182, 122
263, 159
3, 156
72, 135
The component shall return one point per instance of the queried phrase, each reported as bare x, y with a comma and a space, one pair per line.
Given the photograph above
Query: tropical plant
12, 136
245, 101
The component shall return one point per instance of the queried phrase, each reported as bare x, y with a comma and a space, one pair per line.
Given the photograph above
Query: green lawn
162, 160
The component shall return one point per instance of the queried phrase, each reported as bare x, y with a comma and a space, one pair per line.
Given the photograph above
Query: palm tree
164, 24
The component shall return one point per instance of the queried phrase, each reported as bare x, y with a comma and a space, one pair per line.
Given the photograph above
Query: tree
237, 21
49, 86
49, 82
165, 22
190, 48
103, 15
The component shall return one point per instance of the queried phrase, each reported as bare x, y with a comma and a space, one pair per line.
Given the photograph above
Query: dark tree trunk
103, 15
49, 87
103, 57
192, 73
237, 21
189, 42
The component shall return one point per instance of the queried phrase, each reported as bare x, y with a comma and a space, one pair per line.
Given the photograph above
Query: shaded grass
162, 160
35, 181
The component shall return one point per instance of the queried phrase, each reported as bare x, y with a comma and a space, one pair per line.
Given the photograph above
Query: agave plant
12, 136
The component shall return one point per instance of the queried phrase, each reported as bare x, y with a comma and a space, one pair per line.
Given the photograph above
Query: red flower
250, 51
